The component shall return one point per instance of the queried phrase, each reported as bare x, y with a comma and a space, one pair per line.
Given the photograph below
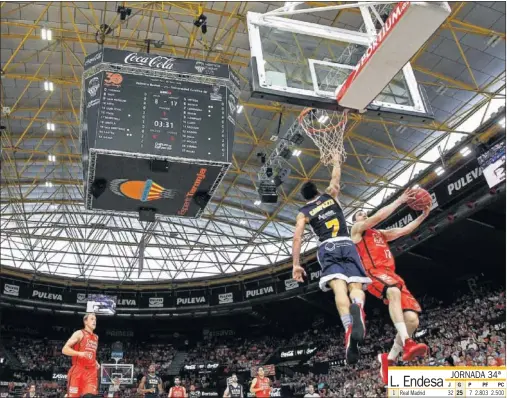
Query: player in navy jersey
342, 270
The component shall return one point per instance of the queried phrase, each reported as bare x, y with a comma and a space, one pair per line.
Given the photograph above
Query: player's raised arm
359, 227
74, 339
297, 271
334, 185
395, 233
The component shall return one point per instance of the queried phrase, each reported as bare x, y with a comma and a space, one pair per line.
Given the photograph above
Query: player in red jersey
261, 386
177, 391
82, 347
378, 262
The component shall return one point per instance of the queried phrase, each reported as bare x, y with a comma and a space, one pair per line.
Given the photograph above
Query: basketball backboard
111, 372
304, 63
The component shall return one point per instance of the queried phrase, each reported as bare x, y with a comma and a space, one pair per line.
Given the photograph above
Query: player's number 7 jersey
326, 218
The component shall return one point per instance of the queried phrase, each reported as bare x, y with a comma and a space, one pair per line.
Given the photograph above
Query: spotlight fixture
50, 126
501, 122
257, 203
124, 12
239, 109
52, 158
262, 155
296, 152
297, 139
285, 153
439, 170
201, 23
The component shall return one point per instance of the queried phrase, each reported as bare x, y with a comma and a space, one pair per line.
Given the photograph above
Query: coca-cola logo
158, 62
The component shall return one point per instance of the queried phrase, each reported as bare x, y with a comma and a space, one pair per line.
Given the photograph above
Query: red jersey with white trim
88, 344
374, 251
264, 384
177, 392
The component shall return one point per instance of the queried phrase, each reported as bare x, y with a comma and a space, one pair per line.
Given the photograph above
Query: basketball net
326, 129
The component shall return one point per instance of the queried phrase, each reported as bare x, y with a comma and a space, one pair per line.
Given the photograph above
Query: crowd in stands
469, 332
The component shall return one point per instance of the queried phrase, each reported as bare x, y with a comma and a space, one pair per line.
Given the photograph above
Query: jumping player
261, 386
378, 260
341, 266
151, 384
82, 347
234, 390
178, 391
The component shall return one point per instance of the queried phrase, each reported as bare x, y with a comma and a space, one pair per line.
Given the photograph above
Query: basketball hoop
326, 129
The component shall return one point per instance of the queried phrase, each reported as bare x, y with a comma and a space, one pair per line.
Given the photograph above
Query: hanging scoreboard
155, 129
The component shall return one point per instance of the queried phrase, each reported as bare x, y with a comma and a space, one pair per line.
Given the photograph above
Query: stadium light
297, 152
501, 122
52, 158
50, 126
439, 170
46, 34
48, 86
49, 184
239, 109
465, 151
323, 119
257, 203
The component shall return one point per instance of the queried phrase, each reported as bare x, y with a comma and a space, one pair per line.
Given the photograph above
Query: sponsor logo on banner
93, 86
275, 392
225, 298
259, 292
81, 298
47, 296
290, 284
315, 275
337, 362
405, 220
59, 376
297, 352
218, 333
143, 191
94, 102
455, 186
156, 302
190, 300
126, 302
11, 290
93, 59
209, 394
158, 62
396, 14
201, 175
120, 333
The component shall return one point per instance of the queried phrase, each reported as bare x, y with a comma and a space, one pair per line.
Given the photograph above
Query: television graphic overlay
493, 164
101, 304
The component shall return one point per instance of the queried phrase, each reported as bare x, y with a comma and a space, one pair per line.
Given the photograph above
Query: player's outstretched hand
426, 212
407, 195
298, 273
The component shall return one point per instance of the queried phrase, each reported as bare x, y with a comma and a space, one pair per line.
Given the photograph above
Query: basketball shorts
383, 279
81, 380
338, 259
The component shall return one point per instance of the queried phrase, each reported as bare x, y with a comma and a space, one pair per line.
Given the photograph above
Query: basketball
421, 200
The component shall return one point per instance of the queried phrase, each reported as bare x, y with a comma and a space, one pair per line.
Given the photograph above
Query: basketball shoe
412, 350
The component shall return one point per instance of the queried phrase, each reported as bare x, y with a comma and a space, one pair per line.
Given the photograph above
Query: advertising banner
191, 298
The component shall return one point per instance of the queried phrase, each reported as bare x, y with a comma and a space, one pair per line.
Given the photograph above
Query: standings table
447, 382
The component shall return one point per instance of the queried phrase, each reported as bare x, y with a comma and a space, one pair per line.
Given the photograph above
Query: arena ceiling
44, 226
